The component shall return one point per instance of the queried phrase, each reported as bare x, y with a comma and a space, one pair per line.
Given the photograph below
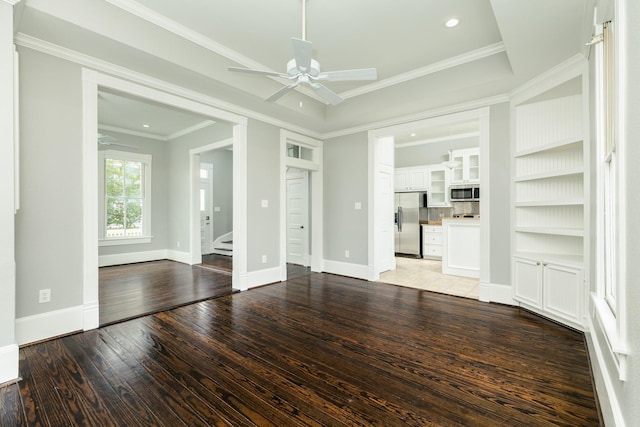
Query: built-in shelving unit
548, 180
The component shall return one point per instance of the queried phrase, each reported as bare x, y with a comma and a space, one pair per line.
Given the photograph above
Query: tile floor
427, 274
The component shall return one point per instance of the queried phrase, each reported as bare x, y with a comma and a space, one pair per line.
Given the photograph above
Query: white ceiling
422, 65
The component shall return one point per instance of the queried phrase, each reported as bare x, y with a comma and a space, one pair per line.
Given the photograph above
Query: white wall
179, 183
499, 178
8, 347
49, 223
263, 181
345, 183
432, 153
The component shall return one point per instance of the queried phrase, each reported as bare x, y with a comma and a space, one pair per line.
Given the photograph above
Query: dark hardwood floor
217, 262
132, 290
315, 350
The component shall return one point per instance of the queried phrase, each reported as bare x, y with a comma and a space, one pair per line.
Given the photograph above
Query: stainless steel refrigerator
408, 210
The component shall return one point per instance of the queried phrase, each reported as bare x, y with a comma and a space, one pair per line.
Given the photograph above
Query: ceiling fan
304, 70
107, 140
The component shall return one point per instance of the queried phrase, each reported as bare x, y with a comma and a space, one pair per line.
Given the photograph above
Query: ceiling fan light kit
304, 70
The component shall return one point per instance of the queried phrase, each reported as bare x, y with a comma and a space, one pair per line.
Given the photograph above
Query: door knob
301, 227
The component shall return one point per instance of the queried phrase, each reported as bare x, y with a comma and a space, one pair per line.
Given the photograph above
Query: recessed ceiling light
145, 126
413, 134
452, 22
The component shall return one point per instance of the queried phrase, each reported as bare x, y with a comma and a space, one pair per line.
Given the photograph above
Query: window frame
608, 296
146, 160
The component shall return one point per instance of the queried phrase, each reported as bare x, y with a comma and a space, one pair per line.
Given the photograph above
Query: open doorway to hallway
143, 204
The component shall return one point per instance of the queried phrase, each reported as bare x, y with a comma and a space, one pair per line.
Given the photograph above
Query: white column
8, 346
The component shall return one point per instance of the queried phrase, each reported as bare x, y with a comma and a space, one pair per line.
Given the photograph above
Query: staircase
223, 245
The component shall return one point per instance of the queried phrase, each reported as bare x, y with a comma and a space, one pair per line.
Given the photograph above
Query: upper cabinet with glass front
468, 170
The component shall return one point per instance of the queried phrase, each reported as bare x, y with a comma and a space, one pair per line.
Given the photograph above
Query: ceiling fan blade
281, 92
103, 138
330, 96
109, 143
349, 75
260, 72
302, 51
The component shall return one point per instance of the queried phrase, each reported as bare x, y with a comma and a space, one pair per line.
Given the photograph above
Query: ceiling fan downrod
304, 19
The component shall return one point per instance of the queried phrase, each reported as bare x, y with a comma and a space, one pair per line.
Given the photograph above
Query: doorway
298, 217
303, 156
480, 120
216, 209
92, 81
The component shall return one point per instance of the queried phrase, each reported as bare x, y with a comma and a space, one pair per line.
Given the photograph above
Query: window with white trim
124, 198
607, 168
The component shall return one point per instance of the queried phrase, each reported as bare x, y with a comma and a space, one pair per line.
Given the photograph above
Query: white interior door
206, 207
298, 218
384, 225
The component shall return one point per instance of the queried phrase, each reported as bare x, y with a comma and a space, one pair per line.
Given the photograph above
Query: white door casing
206, 207
314, 168
298, 218
155, 90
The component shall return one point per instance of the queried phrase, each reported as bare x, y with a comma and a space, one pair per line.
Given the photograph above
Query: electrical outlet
346, 254
358, 206
264, 259
178, 243
216, 209
44, 296
265, 203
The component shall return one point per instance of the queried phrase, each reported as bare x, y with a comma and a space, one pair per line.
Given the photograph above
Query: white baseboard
91, 315
263, 277
345, 269
48, 325
9, 356
178, 256
492, 292
603, 378
131, 257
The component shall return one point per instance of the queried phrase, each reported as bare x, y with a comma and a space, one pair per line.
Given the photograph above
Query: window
607, 168
609, 290
125, 197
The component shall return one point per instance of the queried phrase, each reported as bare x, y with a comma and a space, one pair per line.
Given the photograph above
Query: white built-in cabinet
549, 177
469, 169
411, 179
438, 186
432, 241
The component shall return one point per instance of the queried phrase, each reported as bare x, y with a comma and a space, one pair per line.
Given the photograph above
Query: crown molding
186, 131
442, 111
43, 46
11, 2
465, 58
452, 137
174, 27
149, 135
180, 30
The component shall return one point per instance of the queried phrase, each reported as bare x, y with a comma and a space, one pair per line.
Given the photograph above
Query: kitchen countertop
450, 218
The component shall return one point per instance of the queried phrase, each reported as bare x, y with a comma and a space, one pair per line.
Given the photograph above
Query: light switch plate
265, 203
358, 205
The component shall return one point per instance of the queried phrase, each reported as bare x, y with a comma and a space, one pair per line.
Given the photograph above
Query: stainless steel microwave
465, 193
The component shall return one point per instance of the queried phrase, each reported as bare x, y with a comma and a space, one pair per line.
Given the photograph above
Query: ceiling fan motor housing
293, 70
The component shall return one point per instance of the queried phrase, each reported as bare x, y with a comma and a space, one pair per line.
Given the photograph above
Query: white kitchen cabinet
549, 288
432, 241
411, 179
438, 186
469, 169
